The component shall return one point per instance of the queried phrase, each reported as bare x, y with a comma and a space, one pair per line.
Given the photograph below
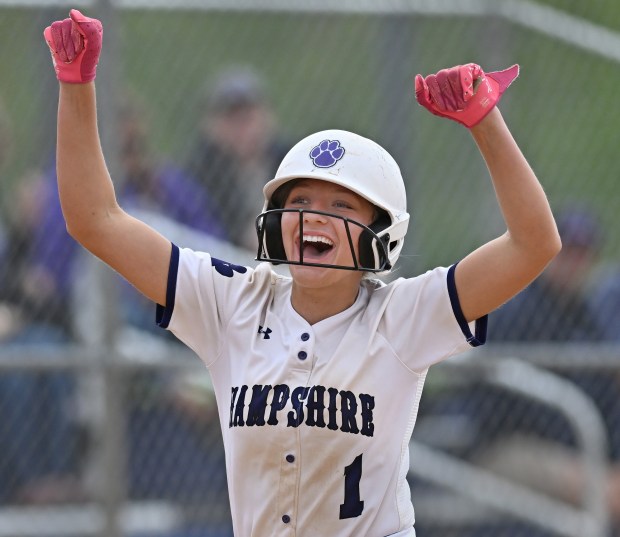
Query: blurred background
107, 424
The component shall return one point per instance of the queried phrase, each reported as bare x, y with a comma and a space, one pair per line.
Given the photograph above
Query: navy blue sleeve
164, 314
480, 337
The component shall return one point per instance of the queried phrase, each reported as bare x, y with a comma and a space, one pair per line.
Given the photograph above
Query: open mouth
316, 247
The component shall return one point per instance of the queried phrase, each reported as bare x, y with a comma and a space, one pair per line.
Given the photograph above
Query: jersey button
290, 458
302, 355
286, 519
305, 336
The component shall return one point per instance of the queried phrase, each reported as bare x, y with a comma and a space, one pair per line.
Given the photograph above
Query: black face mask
373, 250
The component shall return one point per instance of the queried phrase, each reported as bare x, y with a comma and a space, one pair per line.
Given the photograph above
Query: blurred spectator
555, 306
27, 288
605, 301
177, 451
39, 440
156, 186
553, 309
174, 453
150, 183
147, 185
523, 440
237, 150
175, 446
41, 269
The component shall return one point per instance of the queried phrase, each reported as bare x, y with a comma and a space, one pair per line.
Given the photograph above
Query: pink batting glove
75, 44
463, 93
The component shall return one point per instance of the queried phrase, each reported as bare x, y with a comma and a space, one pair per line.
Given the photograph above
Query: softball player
318, 376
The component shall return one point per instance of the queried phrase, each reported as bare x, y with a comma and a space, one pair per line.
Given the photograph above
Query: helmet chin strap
271, 247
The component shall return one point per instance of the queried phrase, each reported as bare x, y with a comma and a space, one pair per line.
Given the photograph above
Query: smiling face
325, 239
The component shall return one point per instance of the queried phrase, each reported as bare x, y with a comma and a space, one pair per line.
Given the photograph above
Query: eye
340, 204
298, 200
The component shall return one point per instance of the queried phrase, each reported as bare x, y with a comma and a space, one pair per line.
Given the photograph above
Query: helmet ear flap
271, 232
272, 236
367, 257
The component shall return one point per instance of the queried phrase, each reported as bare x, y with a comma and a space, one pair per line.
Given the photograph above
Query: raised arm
87, 197
499, 269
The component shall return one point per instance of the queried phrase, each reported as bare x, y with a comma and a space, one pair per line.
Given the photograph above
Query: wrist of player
75, 45
488, 122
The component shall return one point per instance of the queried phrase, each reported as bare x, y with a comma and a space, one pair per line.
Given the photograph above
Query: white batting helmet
358, 164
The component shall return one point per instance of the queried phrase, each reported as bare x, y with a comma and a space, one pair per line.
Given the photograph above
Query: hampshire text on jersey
314, 406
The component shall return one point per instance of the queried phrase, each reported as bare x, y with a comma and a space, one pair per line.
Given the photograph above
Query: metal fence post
111, 452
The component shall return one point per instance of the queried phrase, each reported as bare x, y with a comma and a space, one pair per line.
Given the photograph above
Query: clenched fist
463, 93
75, 44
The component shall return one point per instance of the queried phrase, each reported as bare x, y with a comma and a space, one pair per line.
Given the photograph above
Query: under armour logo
265, 332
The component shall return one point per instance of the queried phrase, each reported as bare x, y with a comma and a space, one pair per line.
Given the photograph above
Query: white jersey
316, 419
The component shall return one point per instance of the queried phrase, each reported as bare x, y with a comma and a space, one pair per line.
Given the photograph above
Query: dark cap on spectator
579, 227
236, 87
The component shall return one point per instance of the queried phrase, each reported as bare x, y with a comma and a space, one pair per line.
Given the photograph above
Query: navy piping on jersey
481, 324
163, 315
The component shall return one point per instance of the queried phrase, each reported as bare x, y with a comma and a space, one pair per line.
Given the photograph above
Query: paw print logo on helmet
327, 153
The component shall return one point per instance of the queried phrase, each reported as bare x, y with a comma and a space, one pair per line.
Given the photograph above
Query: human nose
312, 216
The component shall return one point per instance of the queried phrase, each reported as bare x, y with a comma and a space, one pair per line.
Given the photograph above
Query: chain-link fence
108, 425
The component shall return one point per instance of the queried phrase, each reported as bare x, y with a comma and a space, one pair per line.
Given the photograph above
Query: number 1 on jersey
352, 506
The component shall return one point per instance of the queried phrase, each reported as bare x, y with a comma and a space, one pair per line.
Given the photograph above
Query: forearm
86, 192
521, 198
501, 268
